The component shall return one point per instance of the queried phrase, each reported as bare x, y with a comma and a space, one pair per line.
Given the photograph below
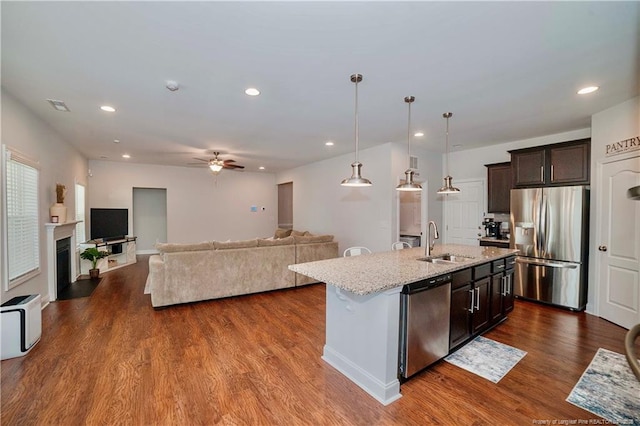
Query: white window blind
23, 241
80, 226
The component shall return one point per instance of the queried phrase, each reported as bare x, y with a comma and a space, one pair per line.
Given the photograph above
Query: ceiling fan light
215, 166
356, 178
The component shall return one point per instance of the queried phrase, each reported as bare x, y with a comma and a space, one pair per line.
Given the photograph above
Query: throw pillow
282, 233
222, 245
266, 242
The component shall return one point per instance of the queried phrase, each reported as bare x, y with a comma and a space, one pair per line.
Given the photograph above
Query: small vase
59, 210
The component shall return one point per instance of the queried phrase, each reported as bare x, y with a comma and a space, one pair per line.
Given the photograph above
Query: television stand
122, 252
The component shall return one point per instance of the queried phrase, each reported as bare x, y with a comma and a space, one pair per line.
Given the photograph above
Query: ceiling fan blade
201, 159
232, 166
229, 161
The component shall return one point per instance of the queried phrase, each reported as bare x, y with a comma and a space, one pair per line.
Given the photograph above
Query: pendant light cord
356, 126
447, 146
409, 135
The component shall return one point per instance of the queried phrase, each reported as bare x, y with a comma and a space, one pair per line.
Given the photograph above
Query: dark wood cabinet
566, 163
479, 299
497, 288
499, 187
527, 167
481, 305
507, 295
460, 318
569, 164
460, 315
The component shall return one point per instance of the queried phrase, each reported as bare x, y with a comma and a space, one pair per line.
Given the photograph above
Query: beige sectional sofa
184, 273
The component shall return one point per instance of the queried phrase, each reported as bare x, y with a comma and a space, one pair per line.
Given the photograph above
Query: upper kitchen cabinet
564, 163
499, 187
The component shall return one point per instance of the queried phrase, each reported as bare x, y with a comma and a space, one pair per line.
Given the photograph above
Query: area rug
609, 389
81, 288
487, 358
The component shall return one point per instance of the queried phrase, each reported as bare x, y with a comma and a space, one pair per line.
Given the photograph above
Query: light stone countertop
376, 272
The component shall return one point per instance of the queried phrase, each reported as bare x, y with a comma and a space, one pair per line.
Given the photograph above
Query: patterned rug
609, 389
486, 358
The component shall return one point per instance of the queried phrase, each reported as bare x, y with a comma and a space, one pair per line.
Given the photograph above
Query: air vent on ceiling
58, 105
413, 162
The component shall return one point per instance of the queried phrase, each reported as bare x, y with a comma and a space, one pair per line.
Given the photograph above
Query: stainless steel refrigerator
550, 227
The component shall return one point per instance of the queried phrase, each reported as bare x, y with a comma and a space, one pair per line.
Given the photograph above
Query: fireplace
58, 232
63, 264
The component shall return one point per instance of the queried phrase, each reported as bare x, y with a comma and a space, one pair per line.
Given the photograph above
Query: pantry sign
626, 145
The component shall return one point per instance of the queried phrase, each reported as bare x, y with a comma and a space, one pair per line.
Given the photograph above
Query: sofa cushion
299, 233
265, 242
222, 245
282, 233
308, 239
173, 247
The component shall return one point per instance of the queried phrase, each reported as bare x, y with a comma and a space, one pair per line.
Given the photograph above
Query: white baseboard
150, 251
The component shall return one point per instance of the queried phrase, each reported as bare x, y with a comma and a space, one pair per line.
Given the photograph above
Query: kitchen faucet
429, 247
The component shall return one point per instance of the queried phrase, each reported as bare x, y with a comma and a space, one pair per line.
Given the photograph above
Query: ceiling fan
216, 165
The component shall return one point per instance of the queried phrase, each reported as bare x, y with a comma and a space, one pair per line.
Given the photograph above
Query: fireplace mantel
55, 232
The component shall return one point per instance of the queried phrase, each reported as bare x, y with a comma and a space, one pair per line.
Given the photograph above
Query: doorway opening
285, 205
149, 218
411, 207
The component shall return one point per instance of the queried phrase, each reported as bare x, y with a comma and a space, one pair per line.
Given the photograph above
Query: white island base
362, 335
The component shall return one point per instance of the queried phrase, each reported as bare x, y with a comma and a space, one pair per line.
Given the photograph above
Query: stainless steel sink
445, 259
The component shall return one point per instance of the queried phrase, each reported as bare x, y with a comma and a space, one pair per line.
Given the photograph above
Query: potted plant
92, 254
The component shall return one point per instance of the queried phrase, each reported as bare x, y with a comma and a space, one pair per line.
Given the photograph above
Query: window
21, 213
80, 226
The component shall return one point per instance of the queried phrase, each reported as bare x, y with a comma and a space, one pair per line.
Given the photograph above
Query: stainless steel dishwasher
424, 323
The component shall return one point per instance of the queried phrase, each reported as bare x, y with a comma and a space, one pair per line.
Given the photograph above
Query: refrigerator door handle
545, 263
543, 226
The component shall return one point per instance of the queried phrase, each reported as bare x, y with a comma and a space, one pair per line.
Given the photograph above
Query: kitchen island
363, 318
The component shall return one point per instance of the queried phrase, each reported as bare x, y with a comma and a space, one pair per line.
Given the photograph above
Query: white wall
200, 207
59, 163
356, 216
612, 125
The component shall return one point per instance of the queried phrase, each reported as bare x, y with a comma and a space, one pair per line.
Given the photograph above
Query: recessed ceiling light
126, 156
252, 91
328, 143
58, 105
586, 90
108, 108
116, 141
261, 167
418, 134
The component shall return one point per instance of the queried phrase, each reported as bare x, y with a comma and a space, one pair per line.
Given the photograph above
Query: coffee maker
491, 228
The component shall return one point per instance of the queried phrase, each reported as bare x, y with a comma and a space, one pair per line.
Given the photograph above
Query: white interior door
463, 213
618, 254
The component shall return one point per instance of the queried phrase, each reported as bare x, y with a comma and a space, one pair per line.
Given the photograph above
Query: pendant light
356, 179
448, 188
408, 184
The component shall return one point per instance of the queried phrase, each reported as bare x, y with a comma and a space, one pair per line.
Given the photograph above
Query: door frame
594, 279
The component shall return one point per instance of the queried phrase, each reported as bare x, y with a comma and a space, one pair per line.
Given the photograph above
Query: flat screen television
109, 224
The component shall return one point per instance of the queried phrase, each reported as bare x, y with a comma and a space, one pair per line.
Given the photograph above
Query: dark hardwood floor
112, 359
